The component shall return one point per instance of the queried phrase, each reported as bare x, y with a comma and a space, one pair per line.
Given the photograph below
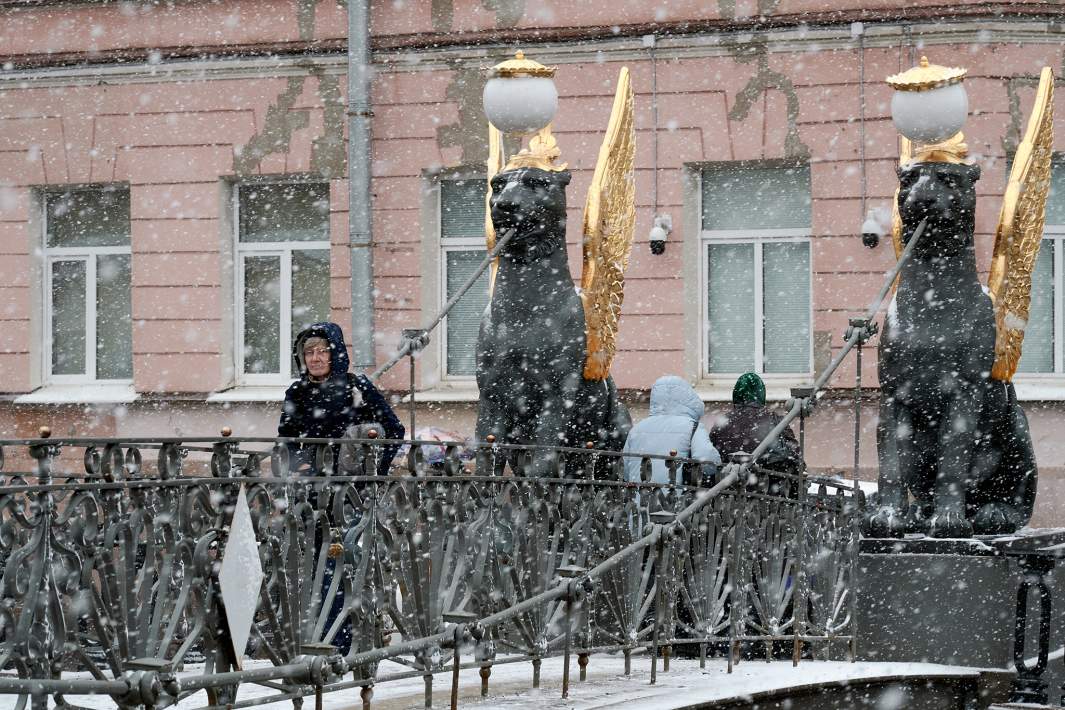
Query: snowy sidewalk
685, 685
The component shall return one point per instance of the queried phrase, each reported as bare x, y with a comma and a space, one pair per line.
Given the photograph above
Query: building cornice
191, 64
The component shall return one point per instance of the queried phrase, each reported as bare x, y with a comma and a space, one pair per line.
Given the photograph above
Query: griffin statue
954, 448
544, 349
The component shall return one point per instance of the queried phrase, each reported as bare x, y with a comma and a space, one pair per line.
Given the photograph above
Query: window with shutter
283, 275
87, 291
462, 204
755, 234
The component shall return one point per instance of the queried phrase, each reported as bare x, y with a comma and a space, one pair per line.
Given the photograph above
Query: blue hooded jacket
324, 410
673, 426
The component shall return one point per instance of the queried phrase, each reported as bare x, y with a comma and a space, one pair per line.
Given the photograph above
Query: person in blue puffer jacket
674, 425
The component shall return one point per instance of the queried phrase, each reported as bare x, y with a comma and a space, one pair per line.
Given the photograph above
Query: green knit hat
749, 388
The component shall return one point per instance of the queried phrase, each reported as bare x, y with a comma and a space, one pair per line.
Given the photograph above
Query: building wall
180, 101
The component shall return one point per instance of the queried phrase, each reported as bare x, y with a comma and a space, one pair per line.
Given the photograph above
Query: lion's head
945, 193
532, 201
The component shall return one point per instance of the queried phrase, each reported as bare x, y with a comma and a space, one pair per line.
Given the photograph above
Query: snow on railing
115, 567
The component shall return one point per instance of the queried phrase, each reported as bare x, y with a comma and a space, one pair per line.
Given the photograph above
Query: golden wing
1020, 231
496, 159
609, 225
905, 155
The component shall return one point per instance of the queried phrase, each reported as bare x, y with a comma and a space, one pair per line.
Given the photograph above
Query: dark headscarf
338, 354
325, 410
749, 388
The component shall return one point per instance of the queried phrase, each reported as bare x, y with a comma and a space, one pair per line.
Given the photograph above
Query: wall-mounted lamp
663, 227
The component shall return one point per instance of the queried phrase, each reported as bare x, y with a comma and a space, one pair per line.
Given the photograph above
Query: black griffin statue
532, 341
954, 448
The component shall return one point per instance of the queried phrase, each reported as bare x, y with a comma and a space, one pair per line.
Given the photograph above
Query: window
282, 274
1042, 349
756, 258
462, 205
87, 285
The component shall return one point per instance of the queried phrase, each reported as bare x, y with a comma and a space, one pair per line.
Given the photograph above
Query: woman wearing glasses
327, 399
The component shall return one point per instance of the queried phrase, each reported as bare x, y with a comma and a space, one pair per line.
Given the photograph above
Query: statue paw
996, 519
884, 521
918, 519
951, 523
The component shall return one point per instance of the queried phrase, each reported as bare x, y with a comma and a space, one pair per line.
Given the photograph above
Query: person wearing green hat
743, 426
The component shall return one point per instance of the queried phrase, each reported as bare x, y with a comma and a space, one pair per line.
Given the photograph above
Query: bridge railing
112, 551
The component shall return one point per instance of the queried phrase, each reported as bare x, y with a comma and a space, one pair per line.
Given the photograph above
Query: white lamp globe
930, 116
520, 96
521, 104
930, 104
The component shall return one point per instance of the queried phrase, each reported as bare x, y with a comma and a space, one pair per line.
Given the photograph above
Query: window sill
715, 390
88, 393
1040, 389
459, 392
250, 393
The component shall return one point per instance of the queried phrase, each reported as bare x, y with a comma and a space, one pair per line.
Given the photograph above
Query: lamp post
520, 100
520, 97
930, 104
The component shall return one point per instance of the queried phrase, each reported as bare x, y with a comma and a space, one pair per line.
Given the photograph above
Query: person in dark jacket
327, 399
322, 404
748, 421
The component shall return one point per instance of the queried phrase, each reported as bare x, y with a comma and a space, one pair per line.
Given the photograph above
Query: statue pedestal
953, 605
956, 601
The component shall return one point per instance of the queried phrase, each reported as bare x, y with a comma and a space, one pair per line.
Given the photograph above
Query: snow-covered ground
606, 686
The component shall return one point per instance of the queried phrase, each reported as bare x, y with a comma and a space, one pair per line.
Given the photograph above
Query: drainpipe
360, 234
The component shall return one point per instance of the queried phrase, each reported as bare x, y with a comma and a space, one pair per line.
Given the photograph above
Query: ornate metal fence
112, 552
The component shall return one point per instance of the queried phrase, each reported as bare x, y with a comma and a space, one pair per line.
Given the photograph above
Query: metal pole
860, 29
455, 675
360, 221
411, 343
660, 554
858, 410
412, 429
566, 649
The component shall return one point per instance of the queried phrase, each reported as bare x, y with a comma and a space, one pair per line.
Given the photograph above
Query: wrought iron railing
111, 551
111, 586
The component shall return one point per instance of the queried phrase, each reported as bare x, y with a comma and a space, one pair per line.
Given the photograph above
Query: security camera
663, 226
873, 227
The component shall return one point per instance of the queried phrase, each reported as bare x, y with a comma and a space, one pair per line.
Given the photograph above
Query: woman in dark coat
748, 421
322, 404
327, 399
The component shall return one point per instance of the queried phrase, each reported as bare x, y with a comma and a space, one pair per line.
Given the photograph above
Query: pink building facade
174, 195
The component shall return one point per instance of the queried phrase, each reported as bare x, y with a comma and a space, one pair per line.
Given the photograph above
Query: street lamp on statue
520, 96
520, 100
930, 104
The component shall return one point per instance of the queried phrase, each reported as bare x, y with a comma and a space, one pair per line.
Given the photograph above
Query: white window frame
89, 256
1053, 233
757, 237
445, 245
449, 245
283, 250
